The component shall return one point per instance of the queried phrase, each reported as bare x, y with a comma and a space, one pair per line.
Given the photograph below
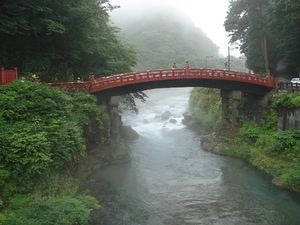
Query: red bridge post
1, 75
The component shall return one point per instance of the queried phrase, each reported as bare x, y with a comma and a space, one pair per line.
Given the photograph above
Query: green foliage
84, 106
284, 28
292, 176
57, 39
249, 133
286, 141
249, 22
286, 101
128, 100
40, 131
66, 210
276, 152
205, 105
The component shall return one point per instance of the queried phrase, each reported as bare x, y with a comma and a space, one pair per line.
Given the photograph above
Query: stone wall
288, 119
231, 107
238, 105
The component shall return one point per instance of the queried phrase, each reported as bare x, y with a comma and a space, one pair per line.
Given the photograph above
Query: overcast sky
209, 15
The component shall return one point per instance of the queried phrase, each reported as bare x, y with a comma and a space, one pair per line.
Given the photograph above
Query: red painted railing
105, 83
8, 75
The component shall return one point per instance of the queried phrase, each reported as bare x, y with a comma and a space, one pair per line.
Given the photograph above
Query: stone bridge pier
239, 105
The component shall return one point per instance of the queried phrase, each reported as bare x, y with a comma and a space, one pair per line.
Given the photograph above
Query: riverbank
283, 169
45, 136
262, 145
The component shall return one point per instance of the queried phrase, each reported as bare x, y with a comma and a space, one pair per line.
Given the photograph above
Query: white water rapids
174, 182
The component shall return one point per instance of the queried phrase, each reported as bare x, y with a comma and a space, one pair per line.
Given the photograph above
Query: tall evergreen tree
268, 33
58, 38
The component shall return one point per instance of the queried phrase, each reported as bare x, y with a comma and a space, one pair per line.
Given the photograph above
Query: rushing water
172, 181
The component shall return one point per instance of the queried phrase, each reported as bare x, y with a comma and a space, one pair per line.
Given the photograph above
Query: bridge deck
94, 85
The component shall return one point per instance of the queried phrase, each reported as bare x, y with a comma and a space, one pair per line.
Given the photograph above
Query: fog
207, 15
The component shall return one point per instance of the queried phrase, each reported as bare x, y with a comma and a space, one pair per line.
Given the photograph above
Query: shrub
288, 101
291, 177
66, 210
249, 133
205, 104
40, 131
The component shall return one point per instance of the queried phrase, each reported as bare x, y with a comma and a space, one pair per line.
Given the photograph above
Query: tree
267, 28
284, 25
59, 38
246, 24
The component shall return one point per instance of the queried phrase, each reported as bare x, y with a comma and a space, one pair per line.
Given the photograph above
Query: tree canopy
267, 29
57, 39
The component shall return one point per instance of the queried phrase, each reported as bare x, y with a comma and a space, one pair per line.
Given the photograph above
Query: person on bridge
174, 65
187, 65
174, 68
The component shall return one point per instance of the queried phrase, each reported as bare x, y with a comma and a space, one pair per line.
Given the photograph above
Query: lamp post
206, 59
243, 59
228, 58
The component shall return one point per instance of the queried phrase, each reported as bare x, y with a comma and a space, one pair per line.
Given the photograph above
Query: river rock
187, 119
166, 115
173, 120
212, 143
128, 133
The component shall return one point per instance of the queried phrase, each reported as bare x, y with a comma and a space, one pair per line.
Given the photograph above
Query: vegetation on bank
205, 107
42, 141
265, 147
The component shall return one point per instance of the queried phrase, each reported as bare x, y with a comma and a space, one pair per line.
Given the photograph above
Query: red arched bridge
175, 77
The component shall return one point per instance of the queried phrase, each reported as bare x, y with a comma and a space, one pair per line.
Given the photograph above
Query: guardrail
288, 87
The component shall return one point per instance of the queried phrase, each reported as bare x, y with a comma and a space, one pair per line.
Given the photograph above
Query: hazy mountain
161, 36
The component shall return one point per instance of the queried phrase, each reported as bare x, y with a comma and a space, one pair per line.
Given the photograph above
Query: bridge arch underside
210, 83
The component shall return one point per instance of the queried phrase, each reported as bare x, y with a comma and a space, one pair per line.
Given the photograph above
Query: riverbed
172, 181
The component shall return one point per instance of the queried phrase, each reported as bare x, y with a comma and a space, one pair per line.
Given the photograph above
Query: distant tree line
61, 39
268, 33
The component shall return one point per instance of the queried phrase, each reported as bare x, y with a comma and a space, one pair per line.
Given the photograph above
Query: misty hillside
163, 37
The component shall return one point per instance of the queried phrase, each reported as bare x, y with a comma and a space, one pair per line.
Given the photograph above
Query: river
172, 181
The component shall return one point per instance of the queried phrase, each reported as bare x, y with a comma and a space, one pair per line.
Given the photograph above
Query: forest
60, 40
268, 33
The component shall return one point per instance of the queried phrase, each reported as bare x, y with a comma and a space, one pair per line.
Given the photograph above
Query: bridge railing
103, 83
8, 75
